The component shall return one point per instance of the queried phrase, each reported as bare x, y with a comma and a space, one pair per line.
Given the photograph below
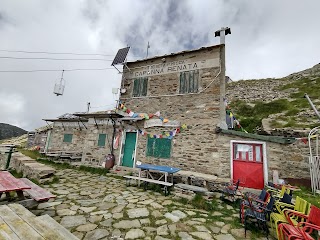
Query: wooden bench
37, 193
149, 180
18, 223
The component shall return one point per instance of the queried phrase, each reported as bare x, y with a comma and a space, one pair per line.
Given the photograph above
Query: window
67, 138
159, 147
189, 81
102, 140
140, 86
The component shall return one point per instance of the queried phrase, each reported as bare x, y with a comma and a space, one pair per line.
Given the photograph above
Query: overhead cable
62, 59
57, 53
55, 70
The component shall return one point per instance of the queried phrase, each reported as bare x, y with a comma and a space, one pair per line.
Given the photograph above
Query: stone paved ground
98, 207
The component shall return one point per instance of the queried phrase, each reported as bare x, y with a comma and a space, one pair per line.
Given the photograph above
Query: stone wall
290, 160
84, 140
58, 131
94, 153
193, 148
199, 148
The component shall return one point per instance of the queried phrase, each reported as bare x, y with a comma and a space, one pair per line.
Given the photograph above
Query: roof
132, 119
177, 53
67, 117
99, 115
66, 120
44, 128
275, 139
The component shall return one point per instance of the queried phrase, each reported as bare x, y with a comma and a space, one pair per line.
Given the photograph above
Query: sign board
172, 67
159, 123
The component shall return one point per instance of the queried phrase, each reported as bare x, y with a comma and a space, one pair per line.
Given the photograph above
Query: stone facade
290, 160
84, 139
198, 148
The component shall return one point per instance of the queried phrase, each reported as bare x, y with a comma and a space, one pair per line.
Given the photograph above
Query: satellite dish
59, 86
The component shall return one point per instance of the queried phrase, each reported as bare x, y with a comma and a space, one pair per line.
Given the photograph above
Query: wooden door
248, 164
129, 149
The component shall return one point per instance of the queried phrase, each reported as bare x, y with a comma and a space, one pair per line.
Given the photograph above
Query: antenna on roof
148, 46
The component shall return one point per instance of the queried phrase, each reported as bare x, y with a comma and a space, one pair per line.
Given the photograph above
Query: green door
129, 147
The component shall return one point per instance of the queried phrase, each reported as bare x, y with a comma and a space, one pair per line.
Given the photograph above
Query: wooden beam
275, 139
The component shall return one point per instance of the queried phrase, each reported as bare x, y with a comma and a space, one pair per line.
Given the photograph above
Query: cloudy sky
269, 39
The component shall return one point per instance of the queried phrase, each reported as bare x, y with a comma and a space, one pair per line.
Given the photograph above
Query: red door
248, 164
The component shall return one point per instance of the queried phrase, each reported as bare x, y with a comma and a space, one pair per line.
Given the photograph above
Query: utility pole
222, 33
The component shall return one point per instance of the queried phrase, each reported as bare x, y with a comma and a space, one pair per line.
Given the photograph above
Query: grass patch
251, 117
64, 165
307, 195
30, 153
200, 202
56, 165
100, 171
16, 174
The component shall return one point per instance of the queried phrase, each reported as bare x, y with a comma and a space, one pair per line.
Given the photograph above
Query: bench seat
149, 180
37, 193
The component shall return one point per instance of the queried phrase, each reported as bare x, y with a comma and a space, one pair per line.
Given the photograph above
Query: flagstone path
100, 207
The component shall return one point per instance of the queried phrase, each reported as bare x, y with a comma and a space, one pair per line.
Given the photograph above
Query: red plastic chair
308, 224
256, 201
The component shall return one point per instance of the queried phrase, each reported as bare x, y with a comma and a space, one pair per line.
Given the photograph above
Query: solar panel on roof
121, 56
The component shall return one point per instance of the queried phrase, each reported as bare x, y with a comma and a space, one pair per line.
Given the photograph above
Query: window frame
140, 87
105, 138
65, 139
189, 82
154, 151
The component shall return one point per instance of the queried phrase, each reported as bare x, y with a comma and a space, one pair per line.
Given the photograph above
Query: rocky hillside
8, 131
277, 106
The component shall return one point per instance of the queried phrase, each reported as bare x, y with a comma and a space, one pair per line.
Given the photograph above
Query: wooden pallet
16, 222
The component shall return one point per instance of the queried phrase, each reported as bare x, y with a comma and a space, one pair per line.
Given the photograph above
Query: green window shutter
150, 146
183, 82
191, 81
159, 147
196, 81
135, 88
67, 138
144, 86
102, 140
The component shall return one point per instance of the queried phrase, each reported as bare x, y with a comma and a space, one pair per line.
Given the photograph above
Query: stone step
58, 232
16, 222
31, 168
17, 225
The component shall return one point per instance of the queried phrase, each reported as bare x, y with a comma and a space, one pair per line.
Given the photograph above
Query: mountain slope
271, 106
9, 131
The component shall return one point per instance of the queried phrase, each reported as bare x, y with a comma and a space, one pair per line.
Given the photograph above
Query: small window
189, 82
159, 147
102, 140
67, 138
140, 86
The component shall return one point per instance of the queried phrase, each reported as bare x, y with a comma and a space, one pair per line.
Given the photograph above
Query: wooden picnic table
155, 174
9, 184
